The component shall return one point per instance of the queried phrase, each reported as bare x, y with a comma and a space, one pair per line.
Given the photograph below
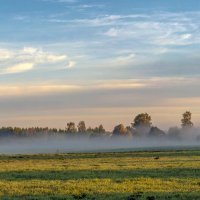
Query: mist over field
69, 144
140, 135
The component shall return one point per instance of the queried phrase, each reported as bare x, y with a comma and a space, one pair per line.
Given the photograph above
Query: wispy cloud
141, 85
5, 54
159, 29
71, 64
104, 20
22, 90
62, 1
89, 6
18, 68
40, 56
22, 60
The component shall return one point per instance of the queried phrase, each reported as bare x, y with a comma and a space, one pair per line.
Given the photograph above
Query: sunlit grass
137, 175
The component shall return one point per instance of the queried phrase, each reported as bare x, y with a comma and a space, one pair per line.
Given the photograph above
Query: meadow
122, 175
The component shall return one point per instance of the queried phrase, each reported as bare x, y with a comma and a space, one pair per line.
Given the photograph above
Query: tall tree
71, 127
186, 120
81, 127
119, 130
142, 119
101, 129
142, 123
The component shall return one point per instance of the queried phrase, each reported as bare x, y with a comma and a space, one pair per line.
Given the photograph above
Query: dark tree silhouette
142, 124
142, 119
101, 129
186, 120
71, 127
119, 130
81, 127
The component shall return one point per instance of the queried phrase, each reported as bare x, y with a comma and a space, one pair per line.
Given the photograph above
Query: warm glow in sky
102, 61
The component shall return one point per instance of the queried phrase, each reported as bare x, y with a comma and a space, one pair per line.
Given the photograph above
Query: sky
101, 61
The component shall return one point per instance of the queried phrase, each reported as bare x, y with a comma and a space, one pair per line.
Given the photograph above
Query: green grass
127, 175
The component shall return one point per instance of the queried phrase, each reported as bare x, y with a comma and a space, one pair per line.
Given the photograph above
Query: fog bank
64, 144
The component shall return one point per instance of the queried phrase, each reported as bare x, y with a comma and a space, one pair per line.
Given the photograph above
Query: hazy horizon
99, 61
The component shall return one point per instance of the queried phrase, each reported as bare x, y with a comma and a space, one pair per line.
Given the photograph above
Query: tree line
140, 127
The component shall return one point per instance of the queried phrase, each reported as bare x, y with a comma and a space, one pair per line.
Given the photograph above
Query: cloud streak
139, 86
29, 58
162, 28
19, 68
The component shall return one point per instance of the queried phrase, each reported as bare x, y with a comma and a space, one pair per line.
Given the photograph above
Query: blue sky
99, 61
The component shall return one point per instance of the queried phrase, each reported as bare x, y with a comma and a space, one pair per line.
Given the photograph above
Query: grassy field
128, 176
